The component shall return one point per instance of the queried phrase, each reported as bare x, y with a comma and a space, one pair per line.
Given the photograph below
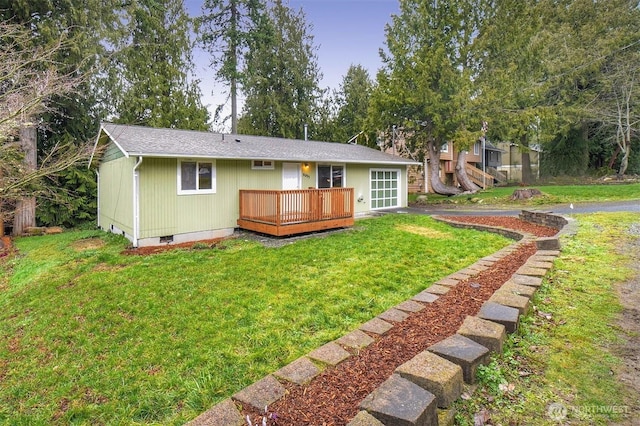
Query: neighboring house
160, 186
512, 160
486, 179
419, 180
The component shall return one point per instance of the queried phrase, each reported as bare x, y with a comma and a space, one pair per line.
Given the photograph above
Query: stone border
421, 391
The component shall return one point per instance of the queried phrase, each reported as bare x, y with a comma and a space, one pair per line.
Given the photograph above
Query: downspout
98, 203
426, 175
136, 203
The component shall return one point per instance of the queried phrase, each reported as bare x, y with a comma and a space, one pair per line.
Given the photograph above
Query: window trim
476, 148
444, 147
254, 165
196, 191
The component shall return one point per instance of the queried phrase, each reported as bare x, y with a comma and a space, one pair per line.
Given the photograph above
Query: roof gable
174, 143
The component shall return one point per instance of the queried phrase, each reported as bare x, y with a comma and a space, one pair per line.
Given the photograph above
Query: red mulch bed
333, 397
506, 222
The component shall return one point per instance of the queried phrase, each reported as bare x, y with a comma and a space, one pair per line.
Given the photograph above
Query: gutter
136, 202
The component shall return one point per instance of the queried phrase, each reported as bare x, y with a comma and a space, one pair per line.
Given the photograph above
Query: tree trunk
527, 174
614, 157
233, 48
624, 163
461, 174
2, 230
436, 184
25, 214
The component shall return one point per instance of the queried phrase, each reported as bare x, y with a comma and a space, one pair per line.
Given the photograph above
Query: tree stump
524, 194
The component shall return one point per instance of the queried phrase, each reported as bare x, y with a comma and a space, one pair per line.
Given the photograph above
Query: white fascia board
288, 159
124, 152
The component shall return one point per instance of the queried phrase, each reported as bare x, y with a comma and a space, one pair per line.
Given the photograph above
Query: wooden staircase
480, 178
497, 175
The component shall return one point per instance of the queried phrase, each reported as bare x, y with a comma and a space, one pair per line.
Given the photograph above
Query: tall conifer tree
282, 77
226, 30
154, 68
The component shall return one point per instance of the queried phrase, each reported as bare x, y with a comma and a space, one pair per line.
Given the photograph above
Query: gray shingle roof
152, 142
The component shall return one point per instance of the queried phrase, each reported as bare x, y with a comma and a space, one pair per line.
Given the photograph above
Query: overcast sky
345, 32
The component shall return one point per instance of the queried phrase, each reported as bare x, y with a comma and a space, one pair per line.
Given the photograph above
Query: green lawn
92, 336
565, 356
552, 194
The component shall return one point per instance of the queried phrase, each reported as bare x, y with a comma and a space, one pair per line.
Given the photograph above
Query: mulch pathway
506, 222
333, 397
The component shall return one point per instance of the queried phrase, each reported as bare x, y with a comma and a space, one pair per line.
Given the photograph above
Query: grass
563, 353
90, 335
552, 194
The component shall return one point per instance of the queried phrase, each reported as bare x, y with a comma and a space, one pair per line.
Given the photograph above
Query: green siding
163, 212
158, 206
357, 177
111, 153
116, 194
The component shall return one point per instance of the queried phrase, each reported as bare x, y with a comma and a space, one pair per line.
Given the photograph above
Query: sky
345, 33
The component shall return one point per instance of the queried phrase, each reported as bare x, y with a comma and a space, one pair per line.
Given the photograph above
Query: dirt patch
629, 322
425, 232
87, 244
144, 251
5, 246
333, 397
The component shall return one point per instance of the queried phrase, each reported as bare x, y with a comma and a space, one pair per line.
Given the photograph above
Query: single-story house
158, 186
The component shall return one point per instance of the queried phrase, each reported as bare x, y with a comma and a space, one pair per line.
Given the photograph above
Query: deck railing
282, 208
480, 178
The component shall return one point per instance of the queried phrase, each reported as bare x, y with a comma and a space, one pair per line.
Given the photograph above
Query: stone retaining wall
420, 392
544, 218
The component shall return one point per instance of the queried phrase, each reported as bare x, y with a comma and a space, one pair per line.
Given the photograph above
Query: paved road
564, 209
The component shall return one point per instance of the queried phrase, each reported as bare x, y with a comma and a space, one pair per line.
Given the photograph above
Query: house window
196, 177
385, 188
445, 147
330, 176
262, 165
476, 148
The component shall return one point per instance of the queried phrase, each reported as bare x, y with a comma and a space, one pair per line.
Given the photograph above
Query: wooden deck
281, 213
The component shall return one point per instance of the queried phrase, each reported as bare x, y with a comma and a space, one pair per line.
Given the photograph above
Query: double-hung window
196, 177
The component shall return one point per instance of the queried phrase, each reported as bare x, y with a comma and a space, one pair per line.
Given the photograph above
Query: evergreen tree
511, 70
152, 71
544, 66
227, 28
425, 86
281, 77
352, 101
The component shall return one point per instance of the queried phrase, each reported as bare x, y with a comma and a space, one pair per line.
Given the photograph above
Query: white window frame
197, 190
445, 147
344, 174
398, 189
262, 164
476, 148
